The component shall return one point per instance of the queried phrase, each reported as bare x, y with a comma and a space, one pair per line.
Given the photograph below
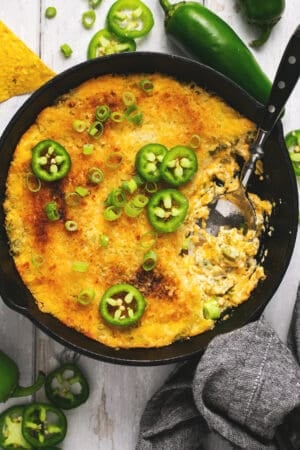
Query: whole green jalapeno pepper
265, 14
9, 380
207, 38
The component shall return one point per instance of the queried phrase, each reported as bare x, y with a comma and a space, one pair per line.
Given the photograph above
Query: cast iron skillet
278, 185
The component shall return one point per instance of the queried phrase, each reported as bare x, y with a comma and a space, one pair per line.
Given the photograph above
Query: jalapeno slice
292, 141
167, 210
50, 161
106, 43
130, 18
122, 305
43, 424
11, 428
66, 387
148, 160
179, 165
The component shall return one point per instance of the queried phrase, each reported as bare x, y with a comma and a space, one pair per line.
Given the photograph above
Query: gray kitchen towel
245, 385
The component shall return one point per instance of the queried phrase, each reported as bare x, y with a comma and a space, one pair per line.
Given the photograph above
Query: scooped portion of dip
107, 197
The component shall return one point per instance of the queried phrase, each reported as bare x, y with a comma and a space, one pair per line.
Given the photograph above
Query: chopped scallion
72, 199
50, 12
94, 3
103, 240
82, 191
96, 129
88, 19
37, 261
87, 149
52, 211
112, 213
33, 183
80, 266
117, 116
134, 115
66, 50
114, 160
102, 113
79, 125
132, 210
140, 200
195, 141
147, 86
71, 225
95, 175
86, 296
149, 261
148, 239
128, 98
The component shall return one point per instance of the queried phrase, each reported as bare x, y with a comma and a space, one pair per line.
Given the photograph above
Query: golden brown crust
176, 289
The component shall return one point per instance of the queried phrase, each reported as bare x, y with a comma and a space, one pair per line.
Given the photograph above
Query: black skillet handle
285, 80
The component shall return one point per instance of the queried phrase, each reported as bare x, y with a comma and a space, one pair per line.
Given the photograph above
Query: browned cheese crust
222, 268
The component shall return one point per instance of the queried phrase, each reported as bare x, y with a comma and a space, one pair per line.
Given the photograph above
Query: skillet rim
136, 356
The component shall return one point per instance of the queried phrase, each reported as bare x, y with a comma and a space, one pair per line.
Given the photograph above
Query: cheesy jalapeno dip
106, 202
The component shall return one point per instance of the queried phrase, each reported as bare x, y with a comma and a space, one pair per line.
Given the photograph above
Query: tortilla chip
21, 70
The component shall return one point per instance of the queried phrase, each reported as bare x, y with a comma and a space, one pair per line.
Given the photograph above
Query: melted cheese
222, 267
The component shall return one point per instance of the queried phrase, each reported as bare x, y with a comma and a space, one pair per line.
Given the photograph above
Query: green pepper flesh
148, 160
43, 425
105, 42
11, 428
130, 19
179, 165
167, 210
50, 161
122, 305
67, 387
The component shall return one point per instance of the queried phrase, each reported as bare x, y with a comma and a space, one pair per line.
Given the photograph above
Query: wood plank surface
110, 419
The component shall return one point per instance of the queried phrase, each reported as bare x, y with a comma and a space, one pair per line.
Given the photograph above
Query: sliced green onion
140, 200
147, 86
134, 115
52, 211
87, 149
71, 225
186, 243
114, 160
130, 185
128, 98
112, 213
86, 296
66, 50
33, 183
117, 116
131, 210
96, 129
88, 19
72, 199
37, 261
82, 191
148, 239
50, 12
95, 175
139, 181
80, 266
79, 125
103, 240
151, 187
149, 261
94, 3
117, 197
195, 141
102, 113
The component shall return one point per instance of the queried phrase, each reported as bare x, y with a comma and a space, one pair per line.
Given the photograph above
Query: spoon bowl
234, 209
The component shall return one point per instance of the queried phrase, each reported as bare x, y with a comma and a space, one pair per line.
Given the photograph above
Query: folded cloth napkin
243, 393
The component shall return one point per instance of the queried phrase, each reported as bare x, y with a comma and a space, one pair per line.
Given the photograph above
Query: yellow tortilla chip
21, 70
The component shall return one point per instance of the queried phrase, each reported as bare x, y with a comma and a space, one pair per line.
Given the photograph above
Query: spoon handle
285, 80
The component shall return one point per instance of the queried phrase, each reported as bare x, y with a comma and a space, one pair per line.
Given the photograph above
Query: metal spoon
234, 209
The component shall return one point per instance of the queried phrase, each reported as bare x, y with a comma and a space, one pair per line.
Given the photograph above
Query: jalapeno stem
21, 391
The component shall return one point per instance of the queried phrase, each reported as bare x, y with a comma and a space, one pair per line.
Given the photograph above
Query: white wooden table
110, 419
